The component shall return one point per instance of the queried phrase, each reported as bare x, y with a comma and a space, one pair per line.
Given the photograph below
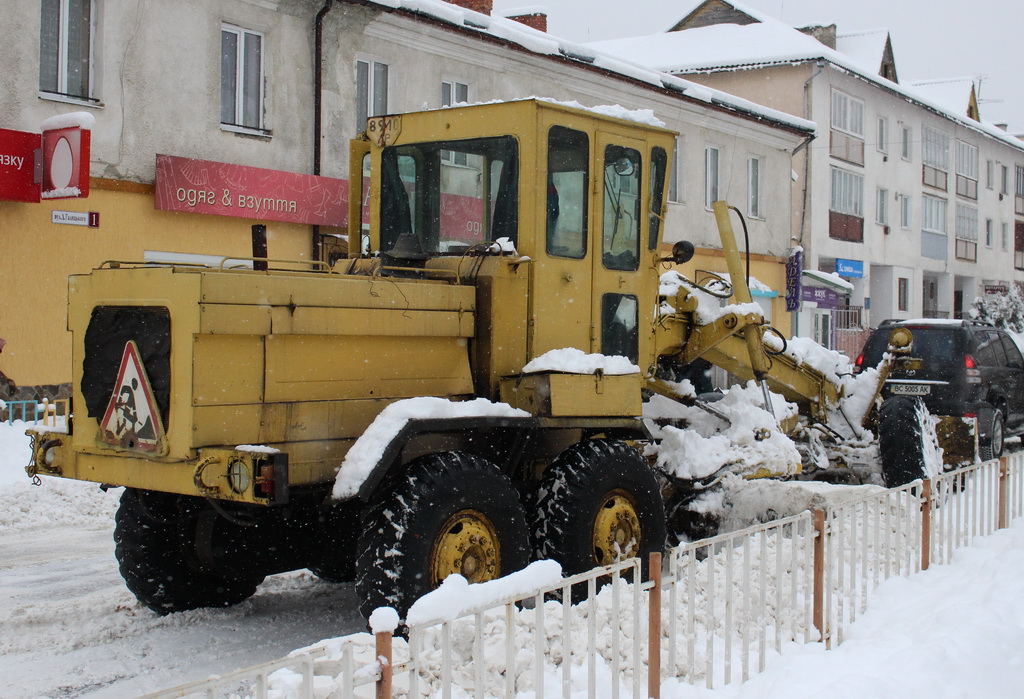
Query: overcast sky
931, 38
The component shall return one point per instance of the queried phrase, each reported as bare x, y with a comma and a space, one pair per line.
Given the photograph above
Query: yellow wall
37, 256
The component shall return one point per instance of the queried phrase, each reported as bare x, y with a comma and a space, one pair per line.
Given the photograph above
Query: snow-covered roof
865, 47
765, 43
952, 93
546, 44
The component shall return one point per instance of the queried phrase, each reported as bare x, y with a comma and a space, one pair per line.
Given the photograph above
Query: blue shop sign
850, 268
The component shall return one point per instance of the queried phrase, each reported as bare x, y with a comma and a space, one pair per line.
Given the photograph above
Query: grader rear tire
599, 503
152, 536
452, 513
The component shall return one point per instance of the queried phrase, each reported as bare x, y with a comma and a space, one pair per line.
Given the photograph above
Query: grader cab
461, 395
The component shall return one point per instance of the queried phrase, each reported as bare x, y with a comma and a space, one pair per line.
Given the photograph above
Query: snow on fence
719, 608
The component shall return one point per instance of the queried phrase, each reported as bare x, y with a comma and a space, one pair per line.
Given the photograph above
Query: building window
712, 181
934, 243
1004, 184
933, 214
1005, 237
371, 91
847, 135
990, 174
1018, 199
882, 207
65, 48
675, 194
454, 93
902, 294
906, 147
1018, 245
241, 77
989, 232
905, 213
846, 214
966, 169
966, 233
935, 157
883, 135
754, 187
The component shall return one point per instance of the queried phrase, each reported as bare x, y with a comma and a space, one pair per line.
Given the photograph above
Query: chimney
824, 34
481, 6
536, 20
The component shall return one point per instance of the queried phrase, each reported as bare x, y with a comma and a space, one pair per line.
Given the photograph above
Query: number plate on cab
910, 389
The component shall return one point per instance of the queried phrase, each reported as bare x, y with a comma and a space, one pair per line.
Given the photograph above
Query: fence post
926, 523
1004, 499
818, 613
384, 658
654, 630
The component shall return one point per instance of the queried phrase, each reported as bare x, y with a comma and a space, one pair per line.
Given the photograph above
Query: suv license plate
910, 389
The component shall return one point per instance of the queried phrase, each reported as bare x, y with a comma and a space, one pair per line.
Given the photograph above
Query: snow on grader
450, 398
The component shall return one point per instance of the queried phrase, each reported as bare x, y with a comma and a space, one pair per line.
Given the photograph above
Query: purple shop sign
794, 271
825, 298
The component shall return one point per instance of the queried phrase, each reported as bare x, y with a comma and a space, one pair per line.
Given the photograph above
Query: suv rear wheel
992, 447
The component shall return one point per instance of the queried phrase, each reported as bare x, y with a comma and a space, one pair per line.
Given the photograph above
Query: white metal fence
720, 606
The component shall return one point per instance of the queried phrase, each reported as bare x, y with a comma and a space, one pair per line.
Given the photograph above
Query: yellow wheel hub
468, 545
617, 533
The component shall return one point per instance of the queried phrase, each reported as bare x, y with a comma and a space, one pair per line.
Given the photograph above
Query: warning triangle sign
132, 419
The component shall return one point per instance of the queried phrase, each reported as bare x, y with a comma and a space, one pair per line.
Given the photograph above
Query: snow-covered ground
69, 628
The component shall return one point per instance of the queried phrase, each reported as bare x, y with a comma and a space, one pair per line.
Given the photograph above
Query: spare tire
901, 440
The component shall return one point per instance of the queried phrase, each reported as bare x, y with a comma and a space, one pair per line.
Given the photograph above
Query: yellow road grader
390, 418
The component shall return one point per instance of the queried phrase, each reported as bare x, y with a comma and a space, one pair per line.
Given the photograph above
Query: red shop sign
222, 189
17, 166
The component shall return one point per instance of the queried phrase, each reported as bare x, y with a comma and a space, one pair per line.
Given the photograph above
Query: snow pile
751, 440
82, 120
570, 360
368, 449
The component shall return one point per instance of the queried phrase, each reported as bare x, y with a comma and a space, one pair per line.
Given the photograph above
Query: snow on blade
570, 360
368, 449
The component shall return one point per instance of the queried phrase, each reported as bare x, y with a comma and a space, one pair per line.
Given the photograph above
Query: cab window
621, 234
568, 174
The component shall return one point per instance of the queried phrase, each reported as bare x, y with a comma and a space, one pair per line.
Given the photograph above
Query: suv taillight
858, 364
973, 373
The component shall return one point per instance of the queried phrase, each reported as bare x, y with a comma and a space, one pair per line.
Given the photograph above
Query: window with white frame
990, 174
371, 90
933, 214
454, 92
1004, 239
882, 142
905, 211
906, 144
989, 232
754, 188
712, 176
902, 294
847, 192
966, 233
65, 48
1018, 199
675, 193
966, 169
935, 157
241, 77
847, 136
1004, 184
882, 207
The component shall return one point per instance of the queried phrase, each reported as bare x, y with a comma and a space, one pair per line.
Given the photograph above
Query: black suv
968, 369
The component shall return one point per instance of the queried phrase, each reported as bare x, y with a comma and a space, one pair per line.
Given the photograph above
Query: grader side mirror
682, 252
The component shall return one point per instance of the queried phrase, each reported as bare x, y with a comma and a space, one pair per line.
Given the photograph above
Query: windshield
444, 197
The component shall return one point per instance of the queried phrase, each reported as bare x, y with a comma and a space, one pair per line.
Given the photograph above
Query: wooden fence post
926, 523
654, 630
818, 613
1004, 492
386, 661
